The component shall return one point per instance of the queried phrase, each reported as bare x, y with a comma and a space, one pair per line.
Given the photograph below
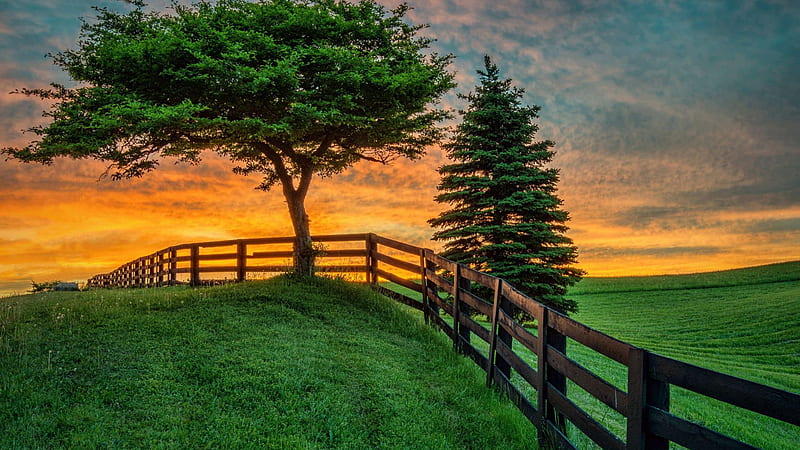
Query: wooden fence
530, 364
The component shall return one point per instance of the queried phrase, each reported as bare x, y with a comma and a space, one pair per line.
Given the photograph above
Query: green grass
743, 322
273, 364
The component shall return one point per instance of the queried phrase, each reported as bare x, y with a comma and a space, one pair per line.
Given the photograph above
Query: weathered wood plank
688, 434
334, 268
269, 269
591, 383
745, 394
397, 245
517, 331
399, 280
216, 269
399, 297
441, 282
475, 327
273, 254
524, 369
522, 301
444, 263
484, 279
476, 303
400, 264
447, 307
635, 434
592, 428
597, 341
218, 256
340, 237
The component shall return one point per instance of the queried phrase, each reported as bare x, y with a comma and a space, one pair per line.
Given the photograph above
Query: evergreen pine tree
505, 216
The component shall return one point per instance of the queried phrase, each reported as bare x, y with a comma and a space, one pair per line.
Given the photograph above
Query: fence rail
450, 297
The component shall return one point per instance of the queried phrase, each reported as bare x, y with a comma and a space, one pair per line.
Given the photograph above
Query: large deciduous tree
505, 216
287, 89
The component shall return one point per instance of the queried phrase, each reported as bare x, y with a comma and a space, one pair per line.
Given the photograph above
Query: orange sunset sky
676, 124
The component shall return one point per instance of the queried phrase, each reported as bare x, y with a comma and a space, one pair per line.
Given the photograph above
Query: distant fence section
529, 362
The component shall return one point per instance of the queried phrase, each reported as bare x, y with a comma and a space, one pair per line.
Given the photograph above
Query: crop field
744, 322
273, 364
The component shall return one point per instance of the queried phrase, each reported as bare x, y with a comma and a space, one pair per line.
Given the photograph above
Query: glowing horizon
675, 130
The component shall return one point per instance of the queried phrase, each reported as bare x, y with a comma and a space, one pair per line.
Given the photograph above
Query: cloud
675, 124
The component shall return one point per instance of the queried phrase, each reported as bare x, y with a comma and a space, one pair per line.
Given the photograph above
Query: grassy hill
274, 364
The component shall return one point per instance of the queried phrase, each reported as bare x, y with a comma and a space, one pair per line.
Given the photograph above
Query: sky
677, 130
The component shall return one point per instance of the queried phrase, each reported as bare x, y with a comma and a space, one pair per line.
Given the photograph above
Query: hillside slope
274, 364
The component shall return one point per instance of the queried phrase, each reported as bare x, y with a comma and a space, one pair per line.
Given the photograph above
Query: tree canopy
286, 89
505, 217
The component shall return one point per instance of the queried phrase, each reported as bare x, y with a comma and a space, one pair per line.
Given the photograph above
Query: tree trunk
303, 249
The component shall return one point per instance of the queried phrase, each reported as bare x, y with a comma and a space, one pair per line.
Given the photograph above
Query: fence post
643, 392
504, 336
368, 259
548, 376
241, 261
372, 259
160, 259
173, 266
498, 286
424, 283
462, 334
195, 265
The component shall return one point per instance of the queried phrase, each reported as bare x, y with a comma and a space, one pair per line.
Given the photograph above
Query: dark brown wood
656, 395
399, 280
591, 383
444, 263
745, 394
517, 331
424, 282
689, 434
460, 309
211, 269
467, 324
527, 304
339, 268
270, 268
555, 341
507, 308
523, 368
438, 321
493, 337
541, 369
241, 261
437, 301
442, 283
597, 341
592, 428
474, 354
400, 264
397, 245
195, 265
476, 303
340, 237
481, 278
373, 258
218, 256
273, 254
637, 373
399, 297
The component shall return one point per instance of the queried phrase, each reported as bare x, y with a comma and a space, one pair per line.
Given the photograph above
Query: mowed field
743, 322
282, 363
